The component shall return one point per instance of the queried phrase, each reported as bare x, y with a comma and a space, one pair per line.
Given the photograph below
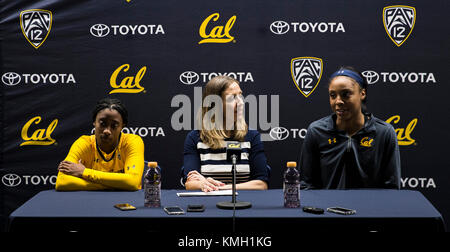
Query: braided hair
111, 103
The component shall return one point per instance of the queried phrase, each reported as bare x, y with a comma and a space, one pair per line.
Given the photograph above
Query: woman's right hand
210, 184
205, 184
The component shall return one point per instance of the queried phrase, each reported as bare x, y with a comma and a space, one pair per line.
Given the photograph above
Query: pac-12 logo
399, 22
306, 73
36, 25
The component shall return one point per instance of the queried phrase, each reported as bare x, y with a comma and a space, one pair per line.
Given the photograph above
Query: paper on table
213, 193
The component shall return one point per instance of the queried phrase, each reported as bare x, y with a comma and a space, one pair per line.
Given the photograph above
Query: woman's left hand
74, 169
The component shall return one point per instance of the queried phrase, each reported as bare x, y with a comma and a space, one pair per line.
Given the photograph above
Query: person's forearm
250, 185
66, 182
121, 181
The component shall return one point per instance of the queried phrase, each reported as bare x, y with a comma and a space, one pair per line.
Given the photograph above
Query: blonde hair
212, 130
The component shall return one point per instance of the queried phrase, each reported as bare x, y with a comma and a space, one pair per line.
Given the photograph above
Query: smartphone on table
341, 210
125, 207
174, 210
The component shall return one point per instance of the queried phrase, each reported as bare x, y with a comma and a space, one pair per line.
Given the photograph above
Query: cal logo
366, 142
403, 134
36, 25
39, 136
306, 73
218, 34
234, 145
399, 22
129, 84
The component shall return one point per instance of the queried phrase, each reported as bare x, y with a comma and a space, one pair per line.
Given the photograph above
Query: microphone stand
233, 189
233, 154
233, 186
233, 204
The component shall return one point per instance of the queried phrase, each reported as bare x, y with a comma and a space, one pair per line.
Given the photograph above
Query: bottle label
292, 195
152, 195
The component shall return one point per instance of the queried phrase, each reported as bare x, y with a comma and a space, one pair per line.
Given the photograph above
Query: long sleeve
391, 162
66, 182
309, 163
102, 177
258, 160
131, 178
191, 157
80, 149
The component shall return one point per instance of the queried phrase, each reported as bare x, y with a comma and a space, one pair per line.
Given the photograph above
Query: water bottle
291, 186
152, 185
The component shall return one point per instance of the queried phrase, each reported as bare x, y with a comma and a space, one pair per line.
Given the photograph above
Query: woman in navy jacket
350, 148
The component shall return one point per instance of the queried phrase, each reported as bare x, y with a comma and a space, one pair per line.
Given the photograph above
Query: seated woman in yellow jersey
108, 160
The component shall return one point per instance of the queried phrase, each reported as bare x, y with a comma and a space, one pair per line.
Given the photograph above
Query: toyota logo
189, 77
371, 76
279, 133
279, 27
11, 180
99, 30
11, 78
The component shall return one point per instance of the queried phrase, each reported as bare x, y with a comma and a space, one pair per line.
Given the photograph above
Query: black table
377, 210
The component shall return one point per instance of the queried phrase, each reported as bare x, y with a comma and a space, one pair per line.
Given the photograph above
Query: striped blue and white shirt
213, 163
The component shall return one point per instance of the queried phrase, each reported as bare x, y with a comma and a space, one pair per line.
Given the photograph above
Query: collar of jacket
369, 125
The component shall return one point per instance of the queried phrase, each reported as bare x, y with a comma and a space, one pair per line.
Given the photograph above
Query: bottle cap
152, 164
292, 164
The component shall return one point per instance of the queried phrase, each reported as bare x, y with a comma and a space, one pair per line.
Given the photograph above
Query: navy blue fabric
349, 73
330, 159
381, 203
257, 157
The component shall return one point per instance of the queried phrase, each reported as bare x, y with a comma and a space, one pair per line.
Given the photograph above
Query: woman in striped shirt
222, 121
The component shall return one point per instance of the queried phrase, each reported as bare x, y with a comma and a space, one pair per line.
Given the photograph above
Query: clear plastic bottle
152, 185
291, 186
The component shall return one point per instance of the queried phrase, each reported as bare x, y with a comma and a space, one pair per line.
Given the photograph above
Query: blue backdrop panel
59, 57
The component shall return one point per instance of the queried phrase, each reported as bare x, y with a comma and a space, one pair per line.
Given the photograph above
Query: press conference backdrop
59, 57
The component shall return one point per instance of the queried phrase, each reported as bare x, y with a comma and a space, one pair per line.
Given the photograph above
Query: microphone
234, 151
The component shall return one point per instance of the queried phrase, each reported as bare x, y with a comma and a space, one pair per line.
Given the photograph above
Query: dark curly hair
111, 103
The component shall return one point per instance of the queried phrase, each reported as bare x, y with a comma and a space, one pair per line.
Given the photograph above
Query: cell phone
196, 208
341, 210
125, 207
313, 210
174, 210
